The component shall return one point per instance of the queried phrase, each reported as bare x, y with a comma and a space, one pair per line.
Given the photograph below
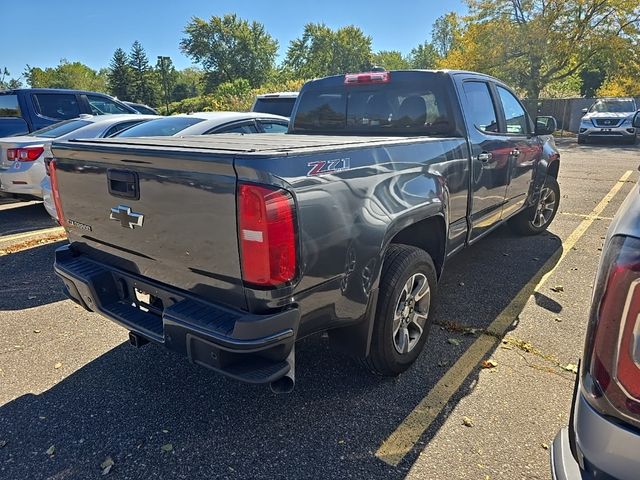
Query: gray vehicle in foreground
230, 248
603, 436
609, 119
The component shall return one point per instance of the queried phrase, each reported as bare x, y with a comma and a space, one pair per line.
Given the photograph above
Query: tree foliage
229, 48
424, 56
391, 60
445, 33
535, 43
67, 74
144, 82
119, 75
321, 51
6, 82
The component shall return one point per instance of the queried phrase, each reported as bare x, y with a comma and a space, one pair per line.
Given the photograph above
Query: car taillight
55, 192
367, 78
266, 222
28, 154
612, 351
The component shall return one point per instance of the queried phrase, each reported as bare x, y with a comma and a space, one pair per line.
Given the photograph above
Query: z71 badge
322, 167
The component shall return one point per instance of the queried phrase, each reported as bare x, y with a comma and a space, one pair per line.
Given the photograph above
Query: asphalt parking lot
74, 393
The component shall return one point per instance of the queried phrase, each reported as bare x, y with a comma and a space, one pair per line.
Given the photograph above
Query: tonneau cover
254, 144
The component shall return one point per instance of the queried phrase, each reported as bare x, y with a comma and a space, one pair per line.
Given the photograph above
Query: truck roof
259, 144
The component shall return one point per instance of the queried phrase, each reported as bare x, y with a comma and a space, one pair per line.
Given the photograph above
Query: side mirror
584, 110
636, 119
545, 125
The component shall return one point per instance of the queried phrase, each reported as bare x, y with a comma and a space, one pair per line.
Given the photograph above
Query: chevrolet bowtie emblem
126, 217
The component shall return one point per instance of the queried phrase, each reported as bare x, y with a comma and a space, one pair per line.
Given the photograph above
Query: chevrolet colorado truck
229, 248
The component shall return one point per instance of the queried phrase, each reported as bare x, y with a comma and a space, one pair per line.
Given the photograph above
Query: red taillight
55, 192
28, 154
613, 343
366, 78
267, 235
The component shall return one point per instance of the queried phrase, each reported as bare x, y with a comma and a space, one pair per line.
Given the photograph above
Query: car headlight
585, 122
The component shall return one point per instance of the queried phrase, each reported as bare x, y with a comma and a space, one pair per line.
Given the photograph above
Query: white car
202, 123
609, 118
205, 123
22, 166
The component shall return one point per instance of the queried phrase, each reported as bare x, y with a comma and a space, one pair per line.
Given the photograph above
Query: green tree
189, 83
229, 48
538, 43
6, 82
390, 60
444, 33
321, 51
144, 84
424, 56
119, 75
67, 74
167, 76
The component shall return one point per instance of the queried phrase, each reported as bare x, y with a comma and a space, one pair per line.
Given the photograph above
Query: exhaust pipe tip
283, 385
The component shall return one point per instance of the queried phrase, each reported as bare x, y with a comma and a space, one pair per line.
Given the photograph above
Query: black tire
402, 263
527, 222
582, 140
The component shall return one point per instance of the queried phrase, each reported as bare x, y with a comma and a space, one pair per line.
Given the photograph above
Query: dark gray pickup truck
230, 248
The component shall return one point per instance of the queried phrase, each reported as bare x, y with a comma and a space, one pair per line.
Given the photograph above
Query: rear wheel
538, 217
402, 321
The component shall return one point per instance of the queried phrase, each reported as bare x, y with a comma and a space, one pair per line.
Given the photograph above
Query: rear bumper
24, 180
248, 347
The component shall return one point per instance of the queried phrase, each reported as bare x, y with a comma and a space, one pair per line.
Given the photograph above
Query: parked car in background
22, 167
602, 439
280, 103
191, 124
609, 118
142, 108
25, 110
205, 123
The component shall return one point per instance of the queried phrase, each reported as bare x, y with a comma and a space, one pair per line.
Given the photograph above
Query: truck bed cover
255, 144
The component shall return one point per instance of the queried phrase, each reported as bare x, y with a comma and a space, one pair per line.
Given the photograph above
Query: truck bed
255, 144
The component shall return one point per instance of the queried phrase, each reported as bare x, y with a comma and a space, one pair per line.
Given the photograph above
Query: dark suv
25, 110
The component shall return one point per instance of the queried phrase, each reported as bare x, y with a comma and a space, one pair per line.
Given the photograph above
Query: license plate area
605, 129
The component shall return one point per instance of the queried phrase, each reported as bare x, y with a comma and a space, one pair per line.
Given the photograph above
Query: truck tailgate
166, 214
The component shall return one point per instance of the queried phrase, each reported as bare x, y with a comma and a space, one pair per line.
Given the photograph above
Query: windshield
59, 129
162, 127
410, 103
613, 106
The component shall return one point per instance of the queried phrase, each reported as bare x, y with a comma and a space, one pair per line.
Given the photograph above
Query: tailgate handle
123, 184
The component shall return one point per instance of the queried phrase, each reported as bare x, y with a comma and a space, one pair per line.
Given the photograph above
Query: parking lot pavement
70, 385
19, 217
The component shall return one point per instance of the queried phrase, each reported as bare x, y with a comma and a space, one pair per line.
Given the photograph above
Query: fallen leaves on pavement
454, 341
467, 422
107, 465
167, 447
51, 451
34, 242
491, 363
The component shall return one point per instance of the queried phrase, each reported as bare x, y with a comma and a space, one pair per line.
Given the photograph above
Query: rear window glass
61, 106
59, 129
163, 127
413, 104
9, 106
275, 106
613, 106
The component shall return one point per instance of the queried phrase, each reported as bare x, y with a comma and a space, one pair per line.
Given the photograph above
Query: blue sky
40, 33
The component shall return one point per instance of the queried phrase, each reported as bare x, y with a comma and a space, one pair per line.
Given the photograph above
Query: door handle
515, 152
484, 157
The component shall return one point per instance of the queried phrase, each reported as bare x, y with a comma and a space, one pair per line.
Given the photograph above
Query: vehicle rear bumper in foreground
248, 347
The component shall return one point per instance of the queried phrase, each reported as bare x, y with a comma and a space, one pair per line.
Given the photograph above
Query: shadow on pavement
128, 403
27, 279
22, 217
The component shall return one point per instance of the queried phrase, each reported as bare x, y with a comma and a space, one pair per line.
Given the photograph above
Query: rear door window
275, 105
103, 106
9, 106
246, 128
274, 127
480, 109
61, 106
514, 113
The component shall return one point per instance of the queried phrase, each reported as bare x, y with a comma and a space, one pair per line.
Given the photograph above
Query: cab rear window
9, 106
416, 103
